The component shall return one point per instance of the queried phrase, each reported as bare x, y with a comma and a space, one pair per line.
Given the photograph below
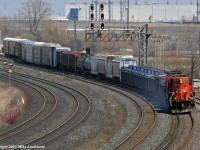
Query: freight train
173, 86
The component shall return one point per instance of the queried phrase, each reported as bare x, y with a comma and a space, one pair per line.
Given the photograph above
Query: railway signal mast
141, 34
91, 17
101, 16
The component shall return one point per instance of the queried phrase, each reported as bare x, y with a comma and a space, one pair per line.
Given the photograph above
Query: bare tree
33, 11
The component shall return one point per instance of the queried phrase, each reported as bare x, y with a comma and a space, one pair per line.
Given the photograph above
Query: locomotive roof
179, 75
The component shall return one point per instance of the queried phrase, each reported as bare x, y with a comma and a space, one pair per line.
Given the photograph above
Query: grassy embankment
13, 103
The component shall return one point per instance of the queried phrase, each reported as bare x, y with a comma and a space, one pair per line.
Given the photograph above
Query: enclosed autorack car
18, 47
37, 52
49, 54
29, 50
9, 46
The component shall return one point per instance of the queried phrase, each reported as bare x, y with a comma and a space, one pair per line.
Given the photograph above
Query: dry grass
11, 105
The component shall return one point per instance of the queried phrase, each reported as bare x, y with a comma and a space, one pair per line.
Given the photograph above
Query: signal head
102, 16
101, 6
92, 26
102, 26
92, 7
92, 16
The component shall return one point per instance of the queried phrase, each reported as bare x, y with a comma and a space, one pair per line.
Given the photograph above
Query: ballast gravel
103, 110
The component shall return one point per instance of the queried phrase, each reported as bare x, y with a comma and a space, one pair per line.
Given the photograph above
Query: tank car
180, 92
80, 64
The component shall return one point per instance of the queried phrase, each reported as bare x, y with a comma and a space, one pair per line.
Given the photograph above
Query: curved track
79, 114
48, 107
145, 124
181, 133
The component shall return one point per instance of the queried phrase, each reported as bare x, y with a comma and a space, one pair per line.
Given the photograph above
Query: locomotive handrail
171, 95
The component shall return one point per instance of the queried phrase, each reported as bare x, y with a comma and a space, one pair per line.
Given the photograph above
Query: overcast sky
9, 7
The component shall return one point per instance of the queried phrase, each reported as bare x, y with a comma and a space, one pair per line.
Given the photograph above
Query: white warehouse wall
142, 13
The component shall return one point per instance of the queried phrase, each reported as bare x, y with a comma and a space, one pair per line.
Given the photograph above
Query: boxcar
69, 59
65, 59
74, 55
59, 51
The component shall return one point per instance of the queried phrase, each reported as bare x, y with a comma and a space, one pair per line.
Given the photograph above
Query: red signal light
101, 6
92, 16
102, 16
92, 26
102, 26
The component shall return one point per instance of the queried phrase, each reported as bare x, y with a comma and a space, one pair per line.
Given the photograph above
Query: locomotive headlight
181, 81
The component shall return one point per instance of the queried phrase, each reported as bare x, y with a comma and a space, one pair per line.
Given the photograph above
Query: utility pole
85, 3
121, 10
127, 14
74, 33
96, 15
109, 9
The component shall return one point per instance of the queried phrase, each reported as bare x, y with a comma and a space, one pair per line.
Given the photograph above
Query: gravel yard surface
159, 132
112, 116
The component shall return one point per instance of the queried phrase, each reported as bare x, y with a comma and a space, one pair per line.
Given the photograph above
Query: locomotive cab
180, 93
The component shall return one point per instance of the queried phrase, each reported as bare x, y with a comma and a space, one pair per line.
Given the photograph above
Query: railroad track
47, 108
133, 141
143, 129
177, 138
144, 126
81, 112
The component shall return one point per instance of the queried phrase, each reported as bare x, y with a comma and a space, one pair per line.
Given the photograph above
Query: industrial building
151, 12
